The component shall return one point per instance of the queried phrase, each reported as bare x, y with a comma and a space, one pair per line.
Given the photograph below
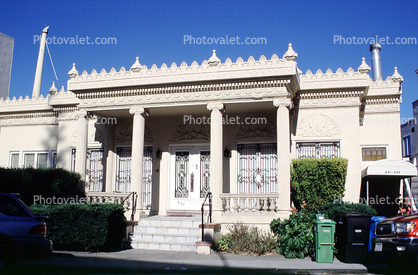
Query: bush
317, 181
247, 239
84, 227
45, 182
295, 235
329, 209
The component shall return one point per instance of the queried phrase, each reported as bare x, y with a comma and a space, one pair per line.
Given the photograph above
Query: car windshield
10, 207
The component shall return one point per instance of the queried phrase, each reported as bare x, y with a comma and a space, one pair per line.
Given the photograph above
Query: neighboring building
146, 130
6, 57
410, 142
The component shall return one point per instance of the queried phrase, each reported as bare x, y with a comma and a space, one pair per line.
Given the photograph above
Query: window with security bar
94, 169
257, 168
124, 171
318, 150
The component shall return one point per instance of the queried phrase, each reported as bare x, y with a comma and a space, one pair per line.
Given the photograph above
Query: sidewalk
137, 259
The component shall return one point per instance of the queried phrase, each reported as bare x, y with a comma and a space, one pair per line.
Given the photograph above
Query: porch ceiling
192, 109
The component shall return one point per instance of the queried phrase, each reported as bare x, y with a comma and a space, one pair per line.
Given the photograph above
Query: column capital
215, 105
137, 110
283, 101
81, 114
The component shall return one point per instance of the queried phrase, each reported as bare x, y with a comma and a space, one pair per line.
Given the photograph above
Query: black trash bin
352, 232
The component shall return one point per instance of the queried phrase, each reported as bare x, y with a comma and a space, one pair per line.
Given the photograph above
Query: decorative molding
187, 88
215, 106
283, 101
247, 131
329, 99
256, 93
25, 104
34, 118
125, 134
191, 132
63, 98
382, 105
195, 72
317, 126
137, 110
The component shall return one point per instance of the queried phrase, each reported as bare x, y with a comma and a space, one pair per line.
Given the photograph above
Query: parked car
397, 239
22, 233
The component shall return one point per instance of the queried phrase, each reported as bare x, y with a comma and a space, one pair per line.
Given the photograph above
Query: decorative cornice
330, 99
63, 98
382, 108
38, 118
187, 88
382, 105
24, 104
255, 93
174, 74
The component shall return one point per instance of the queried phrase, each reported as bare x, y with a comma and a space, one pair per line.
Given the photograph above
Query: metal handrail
134, 201
208, 195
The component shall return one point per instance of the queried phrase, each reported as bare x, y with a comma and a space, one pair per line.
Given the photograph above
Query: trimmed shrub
41, 182
317, 181
84, 227
246, 239
331, 208
295, 234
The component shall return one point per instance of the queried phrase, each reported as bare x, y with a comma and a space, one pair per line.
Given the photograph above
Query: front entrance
189, 177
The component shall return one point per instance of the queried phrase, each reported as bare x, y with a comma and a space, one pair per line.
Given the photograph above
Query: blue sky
155, 30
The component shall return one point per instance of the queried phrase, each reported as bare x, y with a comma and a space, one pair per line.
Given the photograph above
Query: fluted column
138, 130
81, 145
216, 155
283, 104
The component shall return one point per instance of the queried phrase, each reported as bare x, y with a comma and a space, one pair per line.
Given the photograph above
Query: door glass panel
123, 177
182, 167
204, 173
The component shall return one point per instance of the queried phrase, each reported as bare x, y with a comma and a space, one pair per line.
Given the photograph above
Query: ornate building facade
173, 133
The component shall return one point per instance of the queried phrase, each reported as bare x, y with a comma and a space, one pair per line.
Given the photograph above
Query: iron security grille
257, 168
318, 150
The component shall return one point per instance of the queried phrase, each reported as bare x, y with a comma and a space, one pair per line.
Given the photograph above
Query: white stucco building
146, 130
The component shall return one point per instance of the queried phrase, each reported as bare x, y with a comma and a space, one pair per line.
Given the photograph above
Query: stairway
167, 233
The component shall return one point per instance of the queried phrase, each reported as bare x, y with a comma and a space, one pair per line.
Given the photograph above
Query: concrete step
167, 233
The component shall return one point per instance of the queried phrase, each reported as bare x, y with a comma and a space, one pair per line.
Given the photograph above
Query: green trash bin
324, 230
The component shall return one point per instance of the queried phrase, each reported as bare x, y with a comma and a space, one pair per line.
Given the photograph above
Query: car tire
6, 257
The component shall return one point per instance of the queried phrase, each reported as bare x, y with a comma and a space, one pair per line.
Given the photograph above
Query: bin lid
324, 221
352, 214
377, 218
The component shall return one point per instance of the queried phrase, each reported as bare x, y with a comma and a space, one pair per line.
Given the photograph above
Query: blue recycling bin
374, 221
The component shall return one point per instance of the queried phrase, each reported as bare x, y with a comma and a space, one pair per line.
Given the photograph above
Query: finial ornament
364, 68
136, 67
396, 77
53, 90
73, 73
214, 60
290, 55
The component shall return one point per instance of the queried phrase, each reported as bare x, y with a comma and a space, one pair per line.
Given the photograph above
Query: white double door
189, 177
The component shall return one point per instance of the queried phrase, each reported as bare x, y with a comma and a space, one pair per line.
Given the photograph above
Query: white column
138, 130
216, 154
81, 149
283, 151
109, 150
